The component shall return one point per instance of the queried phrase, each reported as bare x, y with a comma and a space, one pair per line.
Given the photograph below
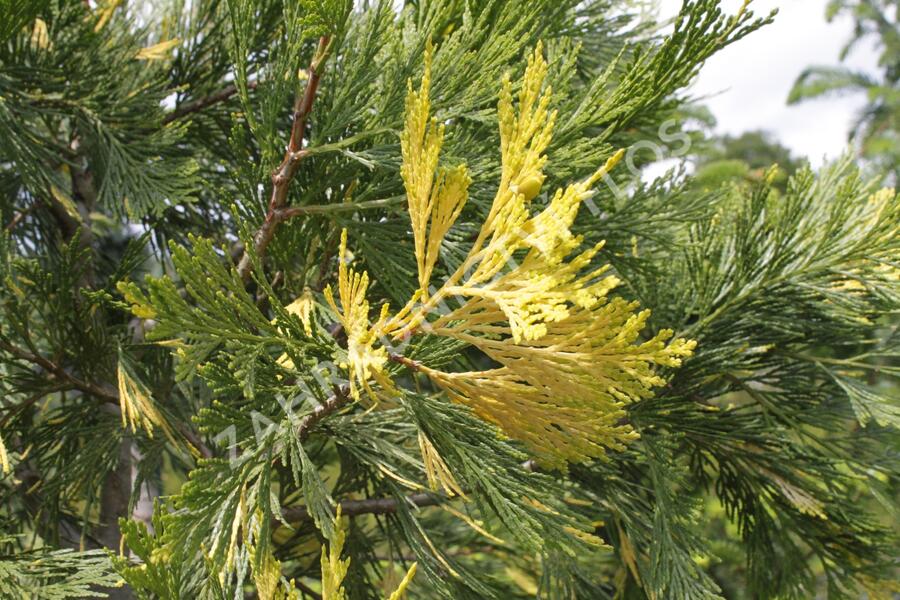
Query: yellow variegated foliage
880, 589
364, 361
437, 471
105, 12
569, 357
334, 569
158, 51
436, 196
138, 408
303, 307
4, 458
39, 36
404, 583
266, 568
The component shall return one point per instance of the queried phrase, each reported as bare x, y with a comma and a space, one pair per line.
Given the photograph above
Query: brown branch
282, 176
334, 403
30, 401
381, 506
17, 218
201, 103
104, 392
370, 506
61, 374
403, 360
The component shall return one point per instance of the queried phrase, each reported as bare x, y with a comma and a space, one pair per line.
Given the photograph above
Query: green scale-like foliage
179, 390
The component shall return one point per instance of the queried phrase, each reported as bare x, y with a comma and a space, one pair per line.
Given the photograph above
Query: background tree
748, 157
292, 307
877, 128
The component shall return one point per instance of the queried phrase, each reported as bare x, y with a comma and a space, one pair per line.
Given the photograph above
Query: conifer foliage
325, 299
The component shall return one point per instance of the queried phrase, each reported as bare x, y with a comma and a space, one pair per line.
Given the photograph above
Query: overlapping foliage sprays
360, 300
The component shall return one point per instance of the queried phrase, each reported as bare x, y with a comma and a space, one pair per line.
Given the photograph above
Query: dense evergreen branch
747, 451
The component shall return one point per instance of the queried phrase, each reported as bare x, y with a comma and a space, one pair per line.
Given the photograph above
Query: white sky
746, 85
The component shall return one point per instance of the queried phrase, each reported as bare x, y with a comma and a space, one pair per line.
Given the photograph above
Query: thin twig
334, 403
17, 218
30, 401
282, 176
106, 393
276, 216
370, 506
61, 374
384, 506
293, 211
201, 103
403, 360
